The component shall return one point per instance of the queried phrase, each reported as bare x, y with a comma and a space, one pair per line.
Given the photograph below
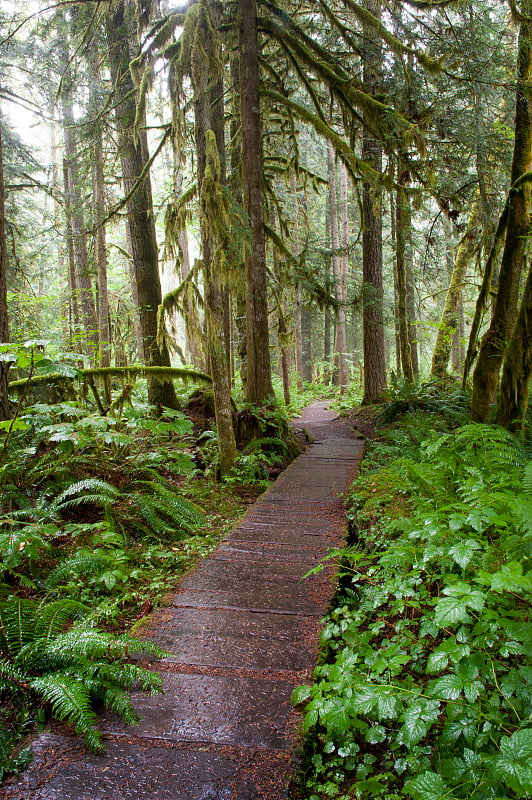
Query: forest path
243, 629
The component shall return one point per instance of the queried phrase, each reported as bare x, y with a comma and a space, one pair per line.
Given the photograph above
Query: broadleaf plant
426, 688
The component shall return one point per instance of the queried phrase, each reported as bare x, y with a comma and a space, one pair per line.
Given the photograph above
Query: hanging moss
367, 19
180, 300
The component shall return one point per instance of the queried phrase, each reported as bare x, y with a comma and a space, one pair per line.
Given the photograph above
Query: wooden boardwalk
243, 631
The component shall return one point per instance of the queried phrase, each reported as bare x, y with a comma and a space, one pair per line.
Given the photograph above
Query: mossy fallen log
137, 371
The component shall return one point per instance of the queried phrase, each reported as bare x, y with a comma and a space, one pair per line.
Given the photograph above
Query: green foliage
427, 687
98, 520
407, 397
68, 667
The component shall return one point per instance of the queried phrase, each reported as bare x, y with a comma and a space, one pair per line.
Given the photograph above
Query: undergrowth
425, 690
99, 518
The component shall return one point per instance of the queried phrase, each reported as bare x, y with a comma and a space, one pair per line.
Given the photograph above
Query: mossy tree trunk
214, 221
133, 151
208, 179
495, 342
341, 323
4, 327
259, 381
517, 369
405, 348
449, 322
100, 245
74, 206
373, 311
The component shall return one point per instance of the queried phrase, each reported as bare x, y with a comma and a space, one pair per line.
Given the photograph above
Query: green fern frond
92, 490
147, 509
267, 444
171, 503
11, 677
81, 564
527, 478
71, 703
53, 617
115, 700
17, 625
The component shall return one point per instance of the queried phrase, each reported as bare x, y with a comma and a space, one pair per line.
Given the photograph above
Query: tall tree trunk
306, 344
335, 248
402, 311
327, 313
133, 151
517, 369
341, 333
134, 295
4, 326
373, 311
100, 246
259, 382
484, 294
235, 183
449, 318
208, 117
74, 204
193, 341
76, 337
218, 126
495, 342
216, 350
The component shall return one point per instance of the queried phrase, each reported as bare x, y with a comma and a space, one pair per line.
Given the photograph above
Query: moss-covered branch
356, 166
161, 374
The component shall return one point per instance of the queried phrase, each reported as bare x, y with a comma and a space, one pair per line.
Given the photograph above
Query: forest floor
241, 632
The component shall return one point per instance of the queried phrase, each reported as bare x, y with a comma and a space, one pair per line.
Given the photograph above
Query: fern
71, 702
408, 397
527, 479
81, 564
163, 506
10, 761
70, 670
89, 491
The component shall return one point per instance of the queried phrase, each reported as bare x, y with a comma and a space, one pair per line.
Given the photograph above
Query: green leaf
449, 611
418, 719
453, 768
375, 734
463, 552
453, 608
515, 761
510, 578
428, 786
301, 694
448, 687
335, 717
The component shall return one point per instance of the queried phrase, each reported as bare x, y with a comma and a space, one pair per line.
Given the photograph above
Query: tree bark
517, 370
134, 158
336, 260
259, 382
341, 332
402, 310
216, 350
495, 342
74, 206
76, 337
449, 319
373, 311
4, 325
100, 245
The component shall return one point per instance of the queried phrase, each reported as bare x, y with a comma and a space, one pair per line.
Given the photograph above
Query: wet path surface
243, 631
